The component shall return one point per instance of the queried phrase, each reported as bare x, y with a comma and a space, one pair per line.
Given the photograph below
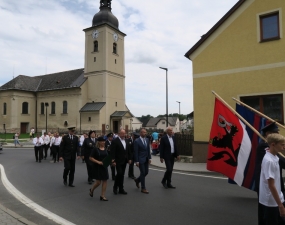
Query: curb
16, 216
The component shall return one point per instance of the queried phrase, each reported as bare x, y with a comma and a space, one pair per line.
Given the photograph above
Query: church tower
105, 67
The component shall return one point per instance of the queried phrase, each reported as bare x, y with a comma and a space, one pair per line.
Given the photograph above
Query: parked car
1, 148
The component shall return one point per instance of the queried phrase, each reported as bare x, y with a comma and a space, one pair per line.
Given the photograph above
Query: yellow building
92, 97
241, 56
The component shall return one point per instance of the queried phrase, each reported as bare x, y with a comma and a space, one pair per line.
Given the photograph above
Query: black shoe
36, 160
103, 199
65, 182
115, 190
132, 177
123, 192
164, 185
71, 185
137, 183
90, 193
45, 158
170, 186
40, 161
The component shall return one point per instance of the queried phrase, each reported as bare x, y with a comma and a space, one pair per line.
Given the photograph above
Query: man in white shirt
46, 140
38, 142
54, 145
270, 194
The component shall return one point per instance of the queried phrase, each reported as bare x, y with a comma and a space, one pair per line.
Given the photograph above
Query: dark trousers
113, 171
89, 168
119, 180
45, 147
169, 163
55, 152
69, 169
38, 153
131, 169
143, 173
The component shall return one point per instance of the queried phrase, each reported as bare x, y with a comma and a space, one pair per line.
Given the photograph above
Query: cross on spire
105, 4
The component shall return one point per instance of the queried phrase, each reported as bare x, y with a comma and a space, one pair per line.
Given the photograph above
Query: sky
46, 36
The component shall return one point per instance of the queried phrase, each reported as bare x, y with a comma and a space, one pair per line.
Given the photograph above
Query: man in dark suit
67, 152
121, 155
168, 152
142, 159
87, 146
108, 147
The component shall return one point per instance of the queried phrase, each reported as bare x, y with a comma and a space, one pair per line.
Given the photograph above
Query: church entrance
24, 128
115, 126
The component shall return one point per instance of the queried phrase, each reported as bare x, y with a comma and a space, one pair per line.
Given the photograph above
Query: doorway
115, 126
24, 128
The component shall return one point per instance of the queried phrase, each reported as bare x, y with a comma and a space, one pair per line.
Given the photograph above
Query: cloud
46, 36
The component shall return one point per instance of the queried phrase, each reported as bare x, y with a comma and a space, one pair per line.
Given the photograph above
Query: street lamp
166, 95
179, 106
46, 105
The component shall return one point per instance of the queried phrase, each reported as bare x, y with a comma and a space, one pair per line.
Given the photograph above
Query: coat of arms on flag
229, 145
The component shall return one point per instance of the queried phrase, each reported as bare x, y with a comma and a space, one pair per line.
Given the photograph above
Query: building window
25, 107
115, 61
94, 59
64, 111
270, 105
89, 119
116, 104
95, 46
163, 122
269, 27
115, 48
42, 108
52, 110
4, 108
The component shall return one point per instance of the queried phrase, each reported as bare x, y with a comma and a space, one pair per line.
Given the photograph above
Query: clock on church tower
105, 66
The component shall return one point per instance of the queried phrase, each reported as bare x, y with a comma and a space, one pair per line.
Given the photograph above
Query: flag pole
239, 116
259, 113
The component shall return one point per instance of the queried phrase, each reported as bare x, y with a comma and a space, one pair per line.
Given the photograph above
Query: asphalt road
196, 201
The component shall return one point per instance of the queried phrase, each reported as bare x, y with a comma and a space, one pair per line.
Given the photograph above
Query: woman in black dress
100, 173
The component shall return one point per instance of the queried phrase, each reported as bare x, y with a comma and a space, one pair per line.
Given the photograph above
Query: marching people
108, 147
100, 172
81, 140
86, 149
260, 152
142, 159
54, 146
38, 142
133, 137
270, 194
67, 152
121, 155
168, 152
46, 140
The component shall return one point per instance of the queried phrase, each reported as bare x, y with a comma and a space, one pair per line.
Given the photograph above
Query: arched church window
25, 108
52, 110
4, 108
95, 46
64, 111
115, 48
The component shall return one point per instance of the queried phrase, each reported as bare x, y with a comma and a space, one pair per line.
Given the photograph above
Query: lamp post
166, 95
46, 105
179, 106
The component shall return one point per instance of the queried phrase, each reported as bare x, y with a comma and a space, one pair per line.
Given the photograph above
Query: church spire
105, 4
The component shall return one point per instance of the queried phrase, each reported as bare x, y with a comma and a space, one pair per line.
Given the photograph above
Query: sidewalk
186, 167
8, 217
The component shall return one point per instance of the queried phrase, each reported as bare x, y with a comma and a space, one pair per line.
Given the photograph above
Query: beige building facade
89, 98
241, 56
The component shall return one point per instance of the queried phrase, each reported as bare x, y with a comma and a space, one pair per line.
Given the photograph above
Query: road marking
194, 175
28, 202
